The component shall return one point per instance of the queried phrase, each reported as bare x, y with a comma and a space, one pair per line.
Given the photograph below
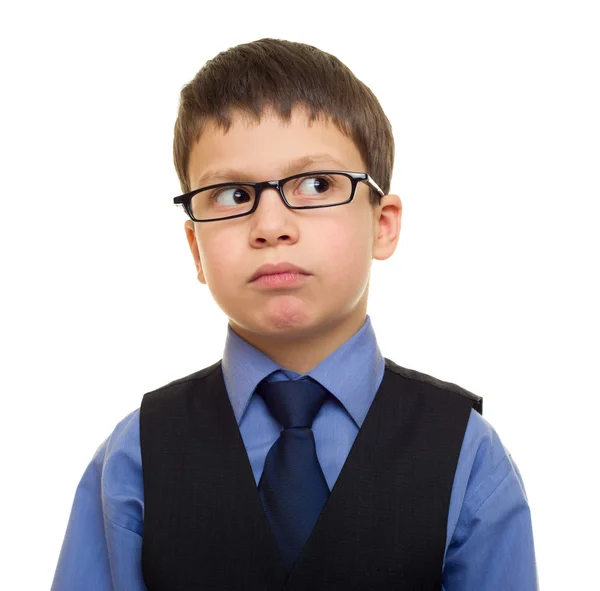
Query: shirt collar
352, 373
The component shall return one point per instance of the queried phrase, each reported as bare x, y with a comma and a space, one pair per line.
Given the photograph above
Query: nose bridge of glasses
269, 185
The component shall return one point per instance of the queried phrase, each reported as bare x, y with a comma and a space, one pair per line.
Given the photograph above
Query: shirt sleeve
101, 550
492, 545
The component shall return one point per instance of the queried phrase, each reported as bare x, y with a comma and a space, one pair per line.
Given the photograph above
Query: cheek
349, 251
218, 256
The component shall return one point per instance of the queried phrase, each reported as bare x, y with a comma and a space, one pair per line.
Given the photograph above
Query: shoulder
485, 469
483, 451
427, 381
489, 535
124, 435
121, 474
180, 384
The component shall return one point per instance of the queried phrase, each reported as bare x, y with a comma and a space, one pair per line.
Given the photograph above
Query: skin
297, 327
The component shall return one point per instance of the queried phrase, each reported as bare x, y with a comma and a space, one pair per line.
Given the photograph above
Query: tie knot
294, 403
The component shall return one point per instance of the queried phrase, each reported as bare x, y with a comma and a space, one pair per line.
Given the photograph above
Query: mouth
281, 268
286, 279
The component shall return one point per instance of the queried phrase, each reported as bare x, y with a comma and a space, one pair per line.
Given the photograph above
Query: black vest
383, 526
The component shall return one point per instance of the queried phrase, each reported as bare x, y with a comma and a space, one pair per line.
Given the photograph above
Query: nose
272, 221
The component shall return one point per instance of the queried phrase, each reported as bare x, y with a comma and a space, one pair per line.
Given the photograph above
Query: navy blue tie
292, 488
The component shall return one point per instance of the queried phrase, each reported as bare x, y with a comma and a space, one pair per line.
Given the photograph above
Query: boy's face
334, 245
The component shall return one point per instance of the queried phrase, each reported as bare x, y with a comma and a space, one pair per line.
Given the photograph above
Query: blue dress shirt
489, 540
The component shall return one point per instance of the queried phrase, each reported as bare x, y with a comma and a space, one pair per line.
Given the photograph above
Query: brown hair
282, 74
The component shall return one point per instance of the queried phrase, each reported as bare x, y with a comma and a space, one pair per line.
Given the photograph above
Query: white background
495, 111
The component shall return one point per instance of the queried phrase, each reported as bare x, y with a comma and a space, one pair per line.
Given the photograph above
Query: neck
302, 350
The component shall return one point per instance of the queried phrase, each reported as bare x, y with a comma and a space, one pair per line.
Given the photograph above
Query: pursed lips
273, 269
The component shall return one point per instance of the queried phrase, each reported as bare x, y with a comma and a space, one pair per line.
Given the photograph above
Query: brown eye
234, 195
316, 185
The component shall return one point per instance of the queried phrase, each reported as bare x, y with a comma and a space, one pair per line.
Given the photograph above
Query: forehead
270, 149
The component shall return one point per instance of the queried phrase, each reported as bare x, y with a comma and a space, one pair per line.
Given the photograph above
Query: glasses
308, 190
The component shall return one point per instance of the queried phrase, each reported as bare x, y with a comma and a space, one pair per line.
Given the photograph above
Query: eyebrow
234, 175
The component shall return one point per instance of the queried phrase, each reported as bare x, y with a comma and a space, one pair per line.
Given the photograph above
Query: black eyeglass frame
184, 201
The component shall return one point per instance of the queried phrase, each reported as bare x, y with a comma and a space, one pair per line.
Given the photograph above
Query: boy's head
253, 113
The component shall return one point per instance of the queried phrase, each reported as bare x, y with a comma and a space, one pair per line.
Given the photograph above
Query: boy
303, 459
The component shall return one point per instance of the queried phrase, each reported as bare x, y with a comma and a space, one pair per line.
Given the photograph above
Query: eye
239, 195
314, 185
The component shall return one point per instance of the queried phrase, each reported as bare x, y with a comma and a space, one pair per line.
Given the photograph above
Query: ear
386, 226
190, 234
